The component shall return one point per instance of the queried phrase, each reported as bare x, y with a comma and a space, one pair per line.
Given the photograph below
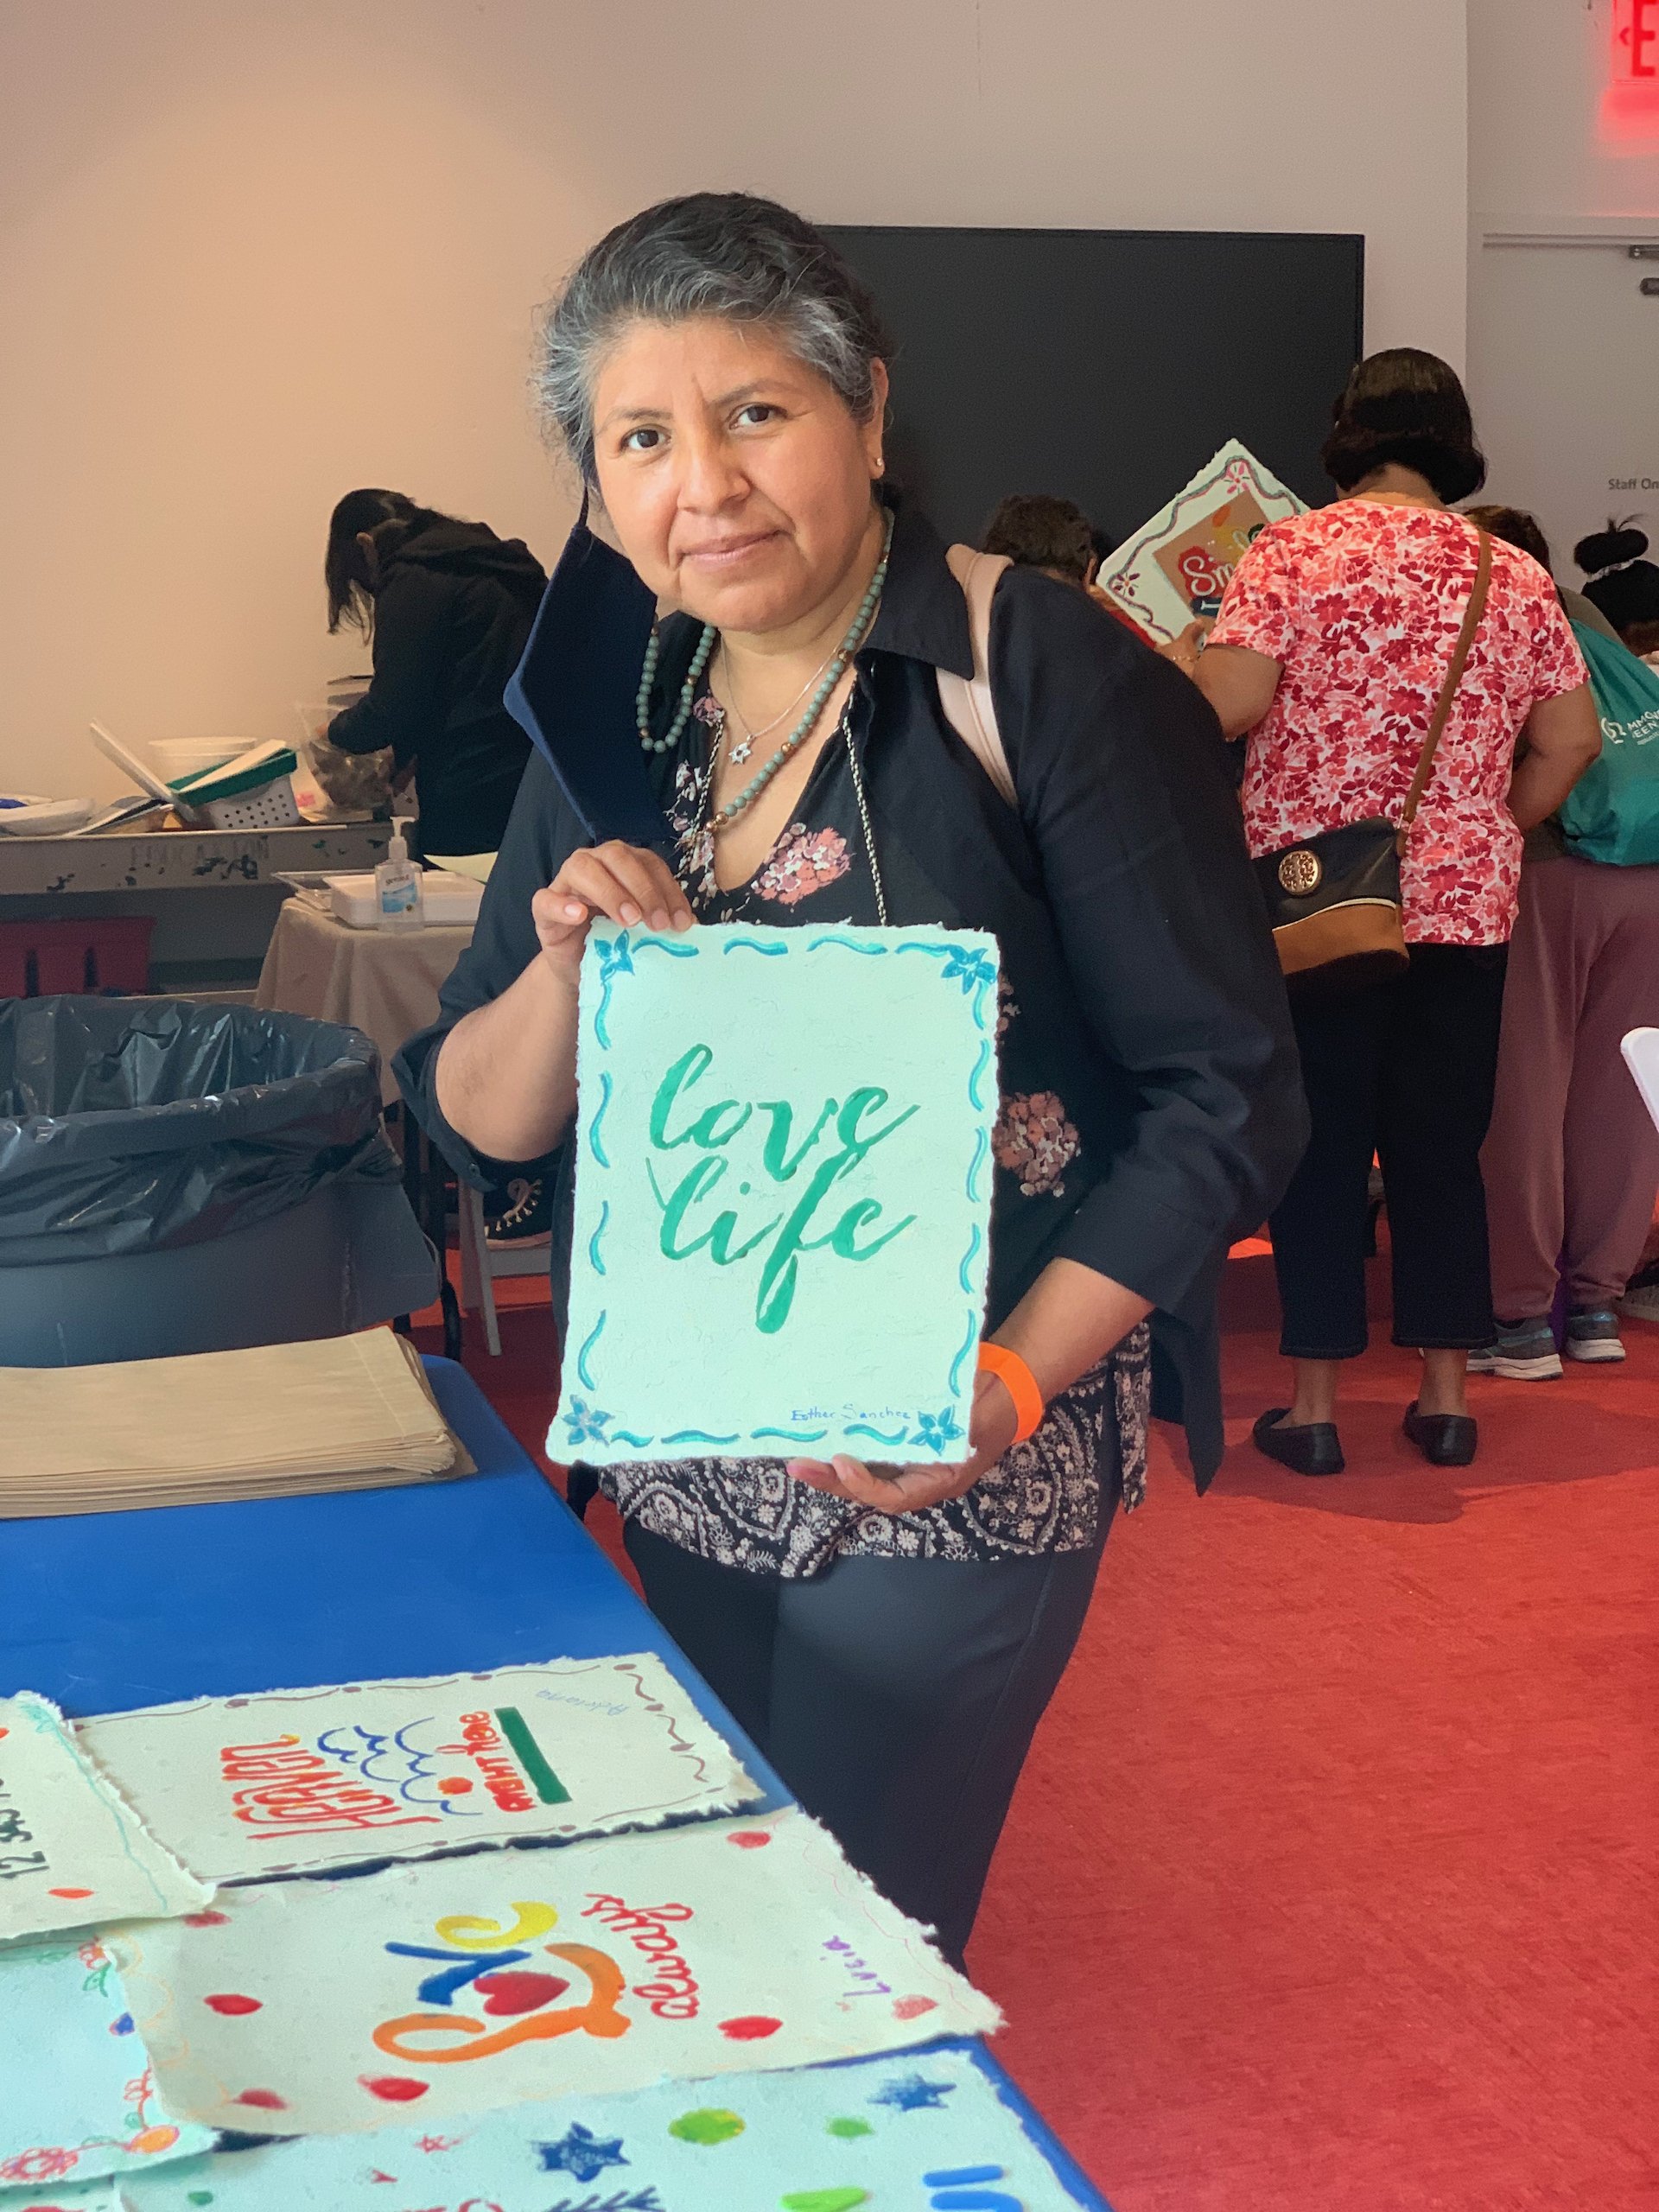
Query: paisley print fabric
1361, 604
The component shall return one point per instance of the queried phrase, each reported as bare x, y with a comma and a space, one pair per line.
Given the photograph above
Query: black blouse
1157, 1112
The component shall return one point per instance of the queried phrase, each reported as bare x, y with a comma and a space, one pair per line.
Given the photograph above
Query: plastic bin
177, 1177
108, 952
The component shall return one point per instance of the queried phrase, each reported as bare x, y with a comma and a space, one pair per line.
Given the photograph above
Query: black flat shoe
1313, 1449
1444, 1440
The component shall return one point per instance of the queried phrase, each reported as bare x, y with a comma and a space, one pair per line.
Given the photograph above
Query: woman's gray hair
711, 253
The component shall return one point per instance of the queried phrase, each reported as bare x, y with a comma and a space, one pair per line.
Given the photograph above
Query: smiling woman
890, 1636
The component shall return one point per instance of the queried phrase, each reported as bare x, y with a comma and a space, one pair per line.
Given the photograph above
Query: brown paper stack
342, 1413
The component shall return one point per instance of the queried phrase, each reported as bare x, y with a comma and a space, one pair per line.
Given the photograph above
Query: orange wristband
1020, 1384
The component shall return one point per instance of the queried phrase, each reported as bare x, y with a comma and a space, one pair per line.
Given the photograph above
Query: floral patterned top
1361, 604
1045, 1494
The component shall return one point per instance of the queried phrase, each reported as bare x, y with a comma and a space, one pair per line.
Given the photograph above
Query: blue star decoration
582, 2154
910, 2092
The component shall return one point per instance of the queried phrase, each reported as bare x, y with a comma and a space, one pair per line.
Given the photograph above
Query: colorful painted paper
1175, 570
910, 2134
783, 1192
462, 1985
70, 1853
78, 2099
290, 1780
93, 2196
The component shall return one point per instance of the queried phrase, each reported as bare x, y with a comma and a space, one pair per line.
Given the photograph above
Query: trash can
180, 1177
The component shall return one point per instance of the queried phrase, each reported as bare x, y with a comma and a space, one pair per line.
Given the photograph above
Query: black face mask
574, 690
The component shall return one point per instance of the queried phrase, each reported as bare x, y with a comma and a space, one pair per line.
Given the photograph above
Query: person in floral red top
1329, 650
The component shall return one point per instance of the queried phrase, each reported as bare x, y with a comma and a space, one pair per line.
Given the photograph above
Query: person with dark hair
1571, 1159
1035, 531
1623, 583
449, 607
1332, 648
889, 1635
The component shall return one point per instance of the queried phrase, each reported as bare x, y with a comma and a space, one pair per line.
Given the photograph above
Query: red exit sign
1629, 102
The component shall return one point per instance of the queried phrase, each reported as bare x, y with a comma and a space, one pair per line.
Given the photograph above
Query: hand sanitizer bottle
398, 901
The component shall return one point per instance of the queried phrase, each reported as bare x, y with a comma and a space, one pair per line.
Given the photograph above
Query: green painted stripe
516, 1729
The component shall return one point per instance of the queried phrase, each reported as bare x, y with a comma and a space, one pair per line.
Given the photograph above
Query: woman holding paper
891, 1636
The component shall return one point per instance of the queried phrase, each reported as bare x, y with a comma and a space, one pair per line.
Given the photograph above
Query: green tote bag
1612, 814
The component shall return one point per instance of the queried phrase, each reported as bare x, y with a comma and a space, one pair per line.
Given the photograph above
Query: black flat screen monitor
1106, 366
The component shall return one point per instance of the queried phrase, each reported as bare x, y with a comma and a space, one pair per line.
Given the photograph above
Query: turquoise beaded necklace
857, 630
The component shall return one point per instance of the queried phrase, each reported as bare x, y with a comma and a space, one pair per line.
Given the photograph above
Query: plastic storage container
177, 1177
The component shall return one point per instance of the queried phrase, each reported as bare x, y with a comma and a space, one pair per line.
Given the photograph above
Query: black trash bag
135, 1126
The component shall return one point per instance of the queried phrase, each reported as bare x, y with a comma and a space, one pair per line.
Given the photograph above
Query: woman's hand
909, 1489
1186, 649
624, 883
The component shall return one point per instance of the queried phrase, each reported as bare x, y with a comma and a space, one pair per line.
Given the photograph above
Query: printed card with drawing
457, 1986
291, 1780
1175, 570
78, 2098
72, 1854
783, 1193
921, 2133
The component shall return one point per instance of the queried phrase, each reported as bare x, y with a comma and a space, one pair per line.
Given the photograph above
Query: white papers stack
343, 1413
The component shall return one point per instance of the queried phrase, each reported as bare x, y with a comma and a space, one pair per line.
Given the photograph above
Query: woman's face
736, 480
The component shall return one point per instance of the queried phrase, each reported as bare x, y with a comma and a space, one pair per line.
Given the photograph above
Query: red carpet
1329, 1884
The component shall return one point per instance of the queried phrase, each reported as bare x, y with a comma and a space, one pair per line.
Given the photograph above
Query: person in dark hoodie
448, 606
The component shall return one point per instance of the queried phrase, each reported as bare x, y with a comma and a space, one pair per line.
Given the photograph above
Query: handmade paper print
1175, 570
294, 1780
70, 1853
907, 2135
460, 1985
78, 2099
783, 1192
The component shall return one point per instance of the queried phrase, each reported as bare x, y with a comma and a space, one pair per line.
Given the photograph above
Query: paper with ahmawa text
286, 1781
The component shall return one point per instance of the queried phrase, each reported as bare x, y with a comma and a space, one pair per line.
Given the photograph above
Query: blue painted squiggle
754, 944
980, 1066
851, 944
627, 1436
982, 1146
791, 1435
606, 1086
582, 1372
967, 1344
967, 1259
593, 1260
698, 1436
879, 1436
666, 944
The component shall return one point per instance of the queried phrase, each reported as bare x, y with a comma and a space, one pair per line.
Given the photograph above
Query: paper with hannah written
900, 2134
1175, 570
78, 2100
456, 1985
286, 1781
783, 1193
72, 1854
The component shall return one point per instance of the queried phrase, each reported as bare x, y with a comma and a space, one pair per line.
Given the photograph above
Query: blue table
107, 1611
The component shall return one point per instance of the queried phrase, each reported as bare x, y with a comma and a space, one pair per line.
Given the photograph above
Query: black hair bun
1612, 548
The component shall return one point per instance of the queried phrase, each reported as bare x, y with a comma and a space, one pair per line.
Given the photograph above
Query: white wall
255, 251
1563, 348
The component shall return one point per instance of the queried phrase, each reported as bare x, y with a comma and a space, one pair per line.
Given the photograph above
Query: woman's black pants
1403, 1069
896, 1697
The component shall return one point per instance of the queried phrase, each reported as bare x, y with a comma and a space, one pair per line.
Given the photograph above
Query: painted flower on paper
584, 1424
934, 1431
581, 2153
1034, 1141
971, 969
801, 863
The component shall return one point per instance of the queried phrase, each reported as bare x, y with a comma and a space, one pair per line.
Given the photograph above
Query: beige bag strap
1471, 615
969, 706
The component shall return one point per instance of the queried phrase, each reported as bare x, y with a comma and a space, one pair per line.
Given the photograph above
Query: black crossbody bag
1334, 901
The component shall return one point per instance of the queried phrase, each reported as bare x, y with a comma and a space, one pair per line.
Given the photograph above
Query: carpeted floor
1329, 1882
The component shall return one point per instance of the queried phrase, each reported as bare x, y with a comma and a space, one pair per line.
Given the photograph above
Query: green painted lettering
706, 1131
